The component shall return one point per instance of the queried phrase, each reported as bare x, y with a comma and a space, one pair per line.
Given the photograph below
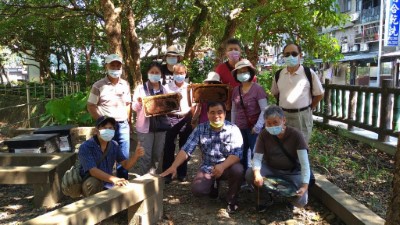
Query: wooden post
344, 104
386, 106
352, 107
375, 109
333, 102
327, 106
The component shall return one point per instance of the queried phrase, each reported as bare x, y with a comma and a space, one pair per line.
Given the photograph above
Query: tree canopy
66, 28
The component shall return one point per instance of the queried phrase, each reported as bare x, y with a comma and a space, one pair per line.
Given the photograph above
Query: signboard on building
392, 23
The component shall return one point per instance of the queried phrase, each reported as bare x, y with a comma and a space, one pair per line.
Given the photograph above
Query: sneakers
232, 208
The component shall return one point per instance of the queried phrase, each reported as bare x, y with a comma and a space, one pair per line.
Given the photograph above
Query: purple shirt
250, 101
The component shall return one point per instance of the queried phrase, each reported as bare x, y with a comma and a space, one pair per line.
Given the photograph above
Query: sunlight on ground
13, 207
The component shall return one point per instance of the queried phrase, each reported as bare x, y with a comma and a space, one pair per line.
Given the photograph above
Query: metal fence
22, 106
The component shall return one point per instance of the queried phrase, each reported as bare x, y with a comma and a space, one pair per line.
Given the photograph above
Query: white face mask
107, 134
114, 73
172, 60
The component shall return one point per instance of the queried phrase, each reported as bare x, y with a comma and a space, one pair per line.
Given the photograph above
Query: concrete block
343, 205
107, 203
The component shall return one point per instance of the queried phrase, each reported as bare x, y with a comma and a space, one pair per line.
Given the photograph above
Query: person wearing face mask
172, 57
233, 52
180, 121
98, 156
296, 92
248, 103
281, 152
152, 138
221, 145
111, 97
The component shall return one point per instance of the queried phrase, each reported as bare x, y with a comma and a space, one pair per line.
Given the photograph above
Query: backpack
307, 71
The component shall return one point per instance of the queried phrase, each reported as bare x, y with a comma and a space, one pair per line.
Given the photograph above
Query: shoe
232, 208
182, 179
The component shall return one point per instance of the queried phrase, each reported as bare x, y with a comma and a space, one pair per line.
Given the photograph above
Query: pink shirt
250, 101
142, 122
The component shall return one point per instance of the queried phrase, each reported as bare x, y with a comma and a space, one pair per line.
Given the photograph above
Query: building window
345, 5
358, 5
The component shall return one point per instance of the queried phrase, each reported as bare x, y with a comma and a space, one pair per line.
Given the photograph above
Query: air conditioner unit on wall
345, 48
354, 16
364, 47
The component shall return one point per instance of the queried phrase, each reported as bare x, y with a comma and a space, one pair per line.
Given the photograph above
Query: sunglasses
287, 54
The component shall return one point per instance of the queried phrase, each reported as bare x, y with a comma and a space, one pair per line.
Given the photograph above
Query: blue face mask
179, 78
114, 73
243, 77
154, 78
274, 130
172, 60
107, 134
292, 61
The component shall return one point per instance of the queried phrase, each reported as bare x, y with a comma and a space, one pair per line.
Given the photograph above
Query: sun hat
173, 51
213, 76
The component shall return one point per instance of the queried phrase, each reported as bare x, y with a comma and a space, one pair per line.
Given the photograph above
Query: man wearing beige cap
111, 97
172, 57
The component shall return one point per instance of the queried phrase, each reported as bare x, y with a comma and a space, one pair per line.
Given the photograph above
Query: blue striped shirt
215, 146
90, 153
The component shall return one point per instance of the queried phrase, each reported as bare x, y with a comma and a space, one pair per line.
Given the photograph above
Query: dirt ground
180, 207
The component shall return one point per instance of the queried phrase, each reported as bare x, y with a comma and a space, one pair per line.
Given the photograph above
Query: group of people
242, 140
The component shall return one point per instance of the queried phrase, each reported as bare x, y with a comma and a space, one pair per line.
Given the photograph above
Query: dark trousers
234, 175
181, 127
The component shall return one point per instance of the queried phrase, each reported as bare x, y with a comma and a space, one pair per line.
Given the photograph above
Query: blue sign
392, 23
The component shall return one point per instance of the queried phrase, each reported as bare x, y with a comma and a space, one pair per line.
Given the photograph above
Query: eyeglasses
287, 54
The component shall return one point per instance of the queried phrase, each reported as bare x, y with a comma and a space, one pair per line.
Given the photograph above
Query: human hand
217, 171
139, 152
139, 100
258, 180
171, 170
194, 122
119, 181
302, 190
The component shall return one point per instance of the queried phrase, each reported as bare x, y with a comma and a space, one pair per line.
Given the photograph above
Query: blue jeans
122, 136
249, 141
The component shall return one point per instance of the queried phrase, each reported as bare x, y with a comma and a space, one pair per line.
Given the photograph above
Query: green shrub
68, 110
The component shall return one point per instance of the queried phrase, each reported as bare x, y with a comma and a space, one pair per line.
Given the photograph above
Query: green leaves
68, 110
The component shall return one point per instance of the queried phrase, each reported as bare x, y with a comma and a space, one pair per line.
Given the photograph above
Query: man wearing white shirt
296, 94
181, 122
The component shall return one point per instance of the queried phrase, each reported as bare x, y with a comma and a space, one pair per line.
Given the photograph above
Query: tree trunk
134, 47
88, 58
195, 29
393, 212
112, 26
230, 29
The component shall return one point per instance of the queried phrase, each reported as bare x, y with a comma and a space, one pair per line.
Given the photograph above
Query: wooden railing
376, 109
